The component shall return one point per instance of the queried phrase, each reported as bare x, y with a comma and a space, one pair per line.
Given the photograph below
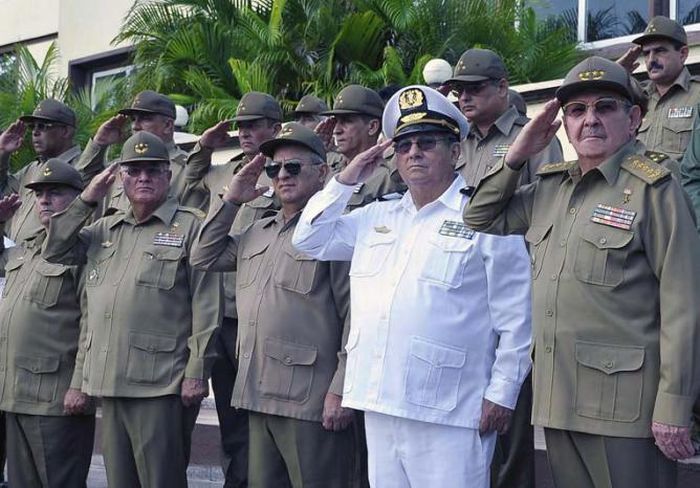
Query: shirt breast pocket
12, 270
46, 284
36, 378
249, 263
676, 133
371, 254
296, 272
288, 370
537, 238
446, 260
158, 267
98, 262
601, 255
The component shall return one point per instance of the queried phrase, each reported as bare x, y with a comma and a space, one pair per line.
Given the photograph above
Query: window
103, 83
688, 11
99, 74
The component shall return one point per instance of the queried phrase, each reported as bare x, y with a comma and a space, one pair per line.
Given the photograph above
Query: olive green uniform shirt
616, 320
480, 153
25, 222
40, 328
668, 125
292, 312
151, 317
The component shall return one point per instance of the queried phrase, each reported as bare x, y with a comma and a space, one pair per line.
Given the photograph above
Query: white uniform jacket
440, 314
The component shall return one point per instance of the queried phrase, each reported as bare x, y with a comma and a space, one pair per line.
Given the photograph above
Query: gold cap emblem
47, 171
595, 74
286, 131
141, 148
411, 99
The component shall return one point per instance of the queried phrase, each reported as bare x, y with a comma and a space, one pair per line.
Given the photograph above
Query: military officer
673, 93
50, 422
615, 268
258, 117
308, 111
151, 318
480, 83
154, 113
52, 125
292, 313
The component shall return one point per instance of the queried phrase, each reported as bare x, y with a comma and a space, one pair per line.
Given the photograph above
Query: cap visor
137, 111
244, 118
565, 93
467, 79
269, 147
143, 160
39, 184
421, 127
34, 118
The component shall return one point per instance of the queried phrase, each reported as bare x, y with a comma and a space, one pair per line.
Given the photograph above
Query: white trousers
404, 453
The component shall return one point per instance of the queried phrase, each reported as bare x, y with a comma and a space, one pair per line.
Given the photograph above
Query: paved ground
204, 471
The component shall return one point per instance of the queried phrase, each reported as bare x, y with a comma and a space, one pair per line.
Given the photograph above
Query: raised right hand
216, 136
535, 136
324, 130
363, 165
11, 138
99, 186
8, 206
243, 187
111, 131
629, 59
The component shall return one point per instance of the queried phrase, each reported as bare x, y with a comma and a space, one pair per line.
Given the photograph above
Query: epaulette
657, 157
194, 211
521, 119
552, 168
645, 169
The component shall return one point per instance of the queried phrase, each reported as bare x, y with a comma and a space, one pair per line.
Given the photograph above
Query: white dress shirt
440, 314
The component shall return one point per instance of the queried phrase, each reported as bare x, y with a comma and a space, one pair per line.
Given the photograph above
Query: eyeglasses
424, 143
469, 88
601, 107
42, 126
150, 171
291, 166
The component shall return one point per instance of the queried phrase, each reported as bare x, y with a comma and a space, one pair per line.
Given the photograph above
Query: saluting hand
629, 59
363, 165
243, 187
335, 416
535, 136
494, 417
8, 206
75, 402
11, 139
216, 136
111, 131
324, 130
193, 391
674, 442
98, 187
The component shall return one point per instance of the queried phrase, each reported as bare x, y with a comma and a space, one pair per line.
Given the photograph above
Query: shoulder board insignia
552, 168
645, 169
522, 119
194, 211
657, 157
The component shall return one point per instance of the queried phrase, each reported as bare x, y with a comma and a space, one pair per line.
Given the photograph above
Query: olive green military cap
294, 134
661, 27
356, 99
144, 147
598, 74
478, 65
51, 110
150, 102
310, 104
56, 172
256, 105
517, 100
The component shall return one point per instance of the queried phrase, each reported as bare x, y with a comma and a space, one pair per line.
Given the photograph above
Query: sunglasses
601, 107
291, 166
469, 88
42, 126
424, 143
150, 171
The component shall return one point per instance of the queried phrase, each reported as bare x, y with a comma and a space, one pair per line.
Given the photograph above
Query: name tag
680, 112
620, 218
168, 239
454, 228
500, 150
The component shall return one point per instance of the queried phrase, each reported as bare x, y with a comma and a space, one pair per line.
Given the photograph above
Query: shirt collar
610, 168
278, 220
451, 198
67, 156
165, 213
503, 124
682, 81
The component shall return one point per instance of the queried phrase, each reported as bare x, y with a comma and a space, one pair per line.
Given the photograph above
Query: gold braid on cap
439, 122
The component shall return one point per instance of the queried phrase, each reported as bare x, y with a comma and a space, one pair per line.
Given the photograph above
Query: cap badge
286, 131
141, 148
595, 74
411, 99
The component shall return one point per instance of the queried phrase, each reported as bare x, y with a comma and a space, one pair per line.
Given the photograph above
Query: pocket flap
440, 356
609, 358
680, 124
99, 254
290, 353
50, 269
152, 343
604, 237
298, 256
253, 248
14, 264
37, 365
537, 233
450, 244
378, 239
166, 253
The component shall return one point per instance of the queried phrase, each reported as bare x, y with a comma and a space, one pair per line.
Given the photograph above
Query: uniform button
562, 243
108, 315
246, 355
150, 256
34, 369
288, 360
603, 240
548, 349
548, 313
151, 349
572, 210
554, 277
608, 364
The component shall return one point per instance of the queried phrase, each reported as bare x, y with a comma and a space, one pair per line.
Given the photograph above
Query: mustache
655, 65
